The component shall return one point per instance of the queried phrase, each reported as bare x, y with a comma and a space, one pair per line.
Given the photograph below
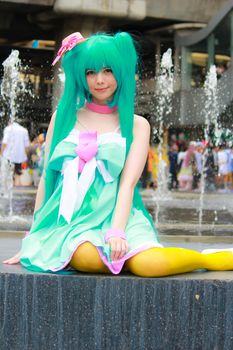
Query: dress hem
115, 266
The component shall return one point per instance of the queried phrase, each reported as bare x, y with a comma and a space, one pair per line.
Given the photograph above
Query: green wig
98, 51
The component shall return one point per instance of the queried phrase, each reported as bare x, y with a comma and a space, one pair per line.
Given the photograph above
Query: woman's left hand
14, 260
119, 247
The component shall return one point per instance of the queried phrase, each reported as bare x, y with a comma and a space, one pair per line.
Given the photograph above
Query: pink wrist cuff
114, 232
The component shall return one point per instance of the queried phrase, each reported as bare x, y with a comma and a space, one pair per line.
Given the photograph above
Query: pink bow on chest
87, 147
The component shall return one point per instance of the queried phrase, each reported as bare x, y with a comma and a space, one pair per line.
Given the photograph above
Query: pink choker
102, 109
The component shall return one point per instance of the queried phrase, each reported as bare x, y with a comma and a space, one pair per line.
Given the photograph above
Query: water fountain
164, 90
211, 119
191, 213
9, 92
11, 87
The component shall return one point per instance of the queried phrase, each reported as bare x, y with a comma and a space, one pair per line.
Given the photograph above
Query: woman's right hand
14, 260
119, 247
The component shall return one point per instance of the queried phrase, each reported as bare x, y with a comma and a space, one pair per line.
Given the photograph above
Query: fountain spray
164, 91
211, 112
10, 87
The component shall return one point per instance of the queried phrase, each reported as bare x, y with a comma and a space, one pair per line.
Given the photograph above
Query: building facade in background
199, 33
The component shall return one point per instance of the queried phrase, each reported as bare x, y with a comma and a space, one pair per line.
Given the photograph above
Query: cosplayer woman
88, 213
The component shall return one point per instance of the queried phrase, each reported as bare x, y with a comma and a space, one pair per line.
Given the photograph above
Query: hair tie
68, 44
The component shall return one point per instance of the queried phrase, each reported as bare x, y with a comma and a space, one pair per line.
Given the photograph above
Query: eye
107, 70
90, 72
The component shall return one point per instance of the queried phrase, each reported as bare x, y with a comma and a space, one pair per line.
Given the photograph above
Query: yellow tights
154, 262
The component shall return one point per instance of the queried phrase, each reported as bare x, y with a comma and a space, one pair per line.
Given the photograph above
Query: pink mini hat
68, 44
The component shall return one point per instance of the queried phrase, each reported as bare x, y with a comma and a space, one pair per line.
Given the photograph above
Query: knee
150, 263
86, 258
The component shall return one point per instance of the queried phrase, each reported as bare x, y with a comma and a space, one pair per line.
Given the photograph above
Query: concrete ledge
76, 311
80, 311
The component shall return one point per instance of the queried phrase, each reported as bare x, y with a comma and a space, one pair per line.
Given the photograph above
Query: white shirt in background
181, 156
198, 157
16, 139
222, 162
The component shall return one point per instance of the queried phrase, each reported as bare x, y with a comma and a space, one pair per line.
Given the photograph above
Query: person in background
182, 141
231, 166
41, 153
14, 149
173, 139
198, 153
35, 154
151, 165
173, 166
222, 167
209, 170
185, 176
180, 159
229, 173
215, 150
220, 69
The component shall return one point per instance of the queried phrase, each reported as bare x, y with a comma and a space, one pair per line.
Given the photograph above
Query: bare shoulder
52, 121
51, 127
141, 125
53, 116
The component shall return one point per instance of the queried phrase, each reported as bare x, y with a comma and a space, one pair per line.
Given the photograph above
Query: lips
101, 90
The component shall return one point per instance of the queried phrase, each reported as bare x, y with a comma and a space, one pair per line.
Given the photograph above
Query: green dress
81, 208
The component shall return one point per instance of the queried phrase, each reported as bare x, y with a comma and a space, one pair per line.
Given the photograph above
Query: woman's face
101, 85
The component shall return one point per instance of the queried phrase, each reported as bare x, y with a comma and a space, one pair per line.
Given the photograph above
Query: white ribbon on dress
75, 185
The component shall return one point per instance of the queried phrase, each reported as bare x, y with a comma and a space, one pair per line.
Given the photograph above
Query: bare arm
5, 140
132, 171
27, 150
3, 146
40, 192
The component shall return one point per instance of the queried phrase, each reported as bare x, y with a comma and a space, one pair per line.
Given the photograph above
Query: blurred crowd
182, 163
186, 163
21, 158
35, 159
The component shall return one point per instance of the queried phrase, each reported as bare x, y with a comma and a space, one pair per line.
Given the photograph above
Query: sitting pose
89, 214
